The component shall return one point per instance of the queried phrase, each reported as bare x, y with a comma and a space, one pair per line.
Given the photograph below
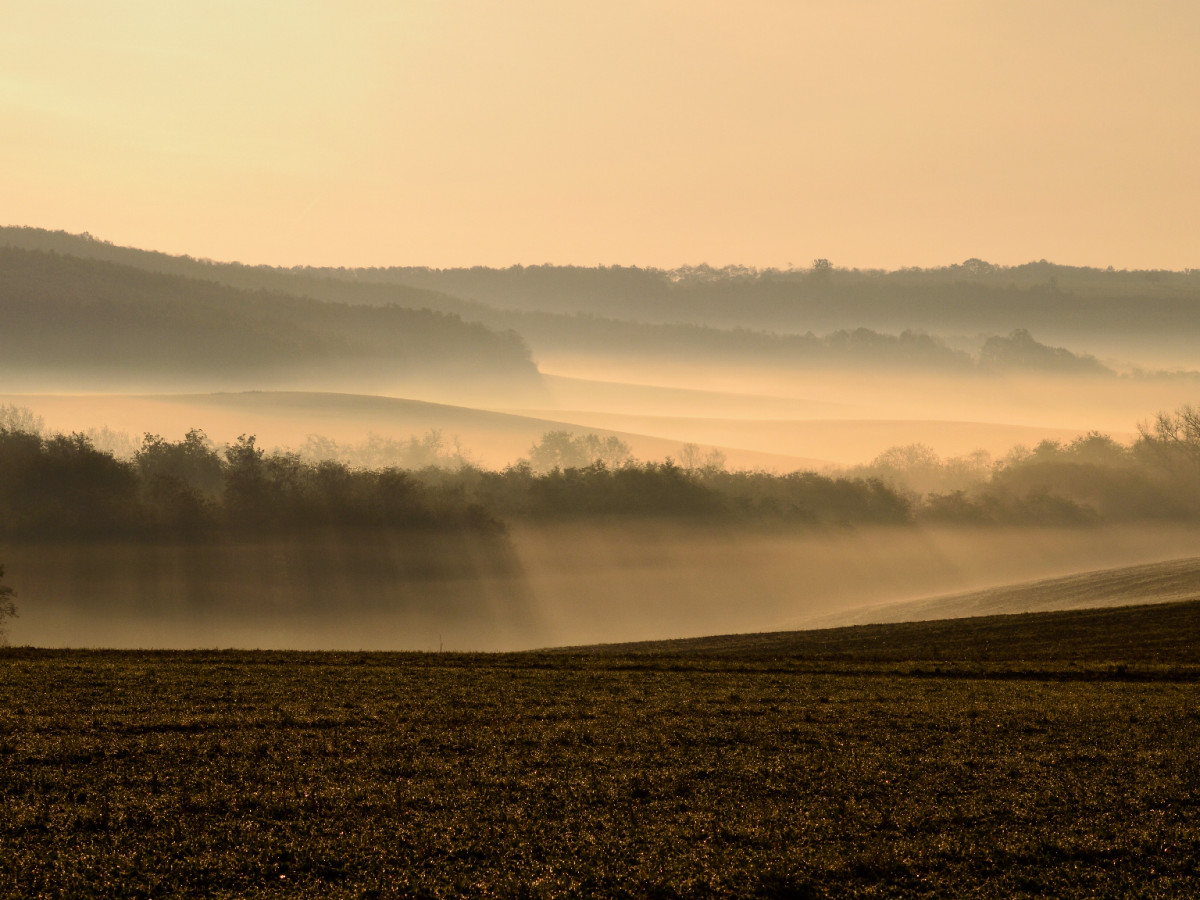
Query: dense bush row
665, 489
1090, 479
64, 486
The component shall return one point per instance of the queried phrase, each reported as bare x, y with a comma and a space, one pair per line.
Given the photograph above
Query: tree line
914, 350
1092, 479
64, 486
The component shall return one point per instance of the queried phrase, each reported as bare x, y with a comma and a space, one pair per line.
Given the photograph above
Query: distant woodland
65, 315
1055, 302
1092, 479
178, 314
859, 348
969, 297
62, 486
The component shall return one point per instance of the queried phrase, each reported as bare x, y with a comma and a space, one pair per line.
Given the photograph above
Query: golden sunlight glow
655, 132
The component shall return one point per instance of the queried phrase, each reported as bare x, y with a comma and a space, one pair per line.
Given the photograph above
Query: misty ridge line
865, 348
64, 485
169, 325
555, 276
71, 316
737, 312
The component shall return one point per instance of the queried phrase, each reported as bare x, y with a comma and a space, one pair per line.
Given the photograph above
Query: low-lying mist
780, 393
600, 584
552, 585
361, 591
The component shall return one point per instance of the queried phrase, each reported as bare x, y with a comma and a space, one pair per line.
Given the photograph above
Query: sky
655, 132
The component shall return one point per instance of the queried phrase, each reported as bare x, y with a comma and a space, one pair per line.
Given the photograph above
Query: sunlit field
918, 760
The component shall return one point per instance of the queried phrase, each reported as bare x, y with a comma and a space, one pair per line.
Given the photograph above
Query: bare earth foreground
1039, 755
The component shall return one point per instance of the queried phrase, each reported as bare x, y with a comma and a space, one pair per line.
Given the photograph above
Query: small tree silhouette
8, 608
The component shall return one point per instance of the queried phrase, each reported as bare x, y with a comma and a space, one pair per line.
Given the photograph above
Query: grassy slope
1143, 614
1156, 582
1153, 635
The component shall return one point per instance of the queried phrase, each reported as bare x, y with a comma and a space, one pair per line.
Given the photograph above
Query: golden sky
650, 132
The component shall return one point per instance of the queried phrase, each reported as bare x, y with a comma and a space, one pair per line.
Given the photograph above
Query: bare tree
21, 419
821, 270
1175, 434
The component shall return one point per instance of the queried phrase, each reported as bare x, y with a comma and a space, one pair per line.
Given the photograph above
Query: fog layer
567, 584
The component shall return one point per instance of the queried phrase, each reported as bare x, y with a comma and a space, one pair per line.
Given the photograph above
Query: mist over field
575, 455
551, 586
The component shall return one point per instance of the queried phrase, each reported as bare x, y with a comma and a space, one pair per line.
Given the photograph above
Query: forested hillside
971, 296
846, 348
333, 285
999, 318
69, 320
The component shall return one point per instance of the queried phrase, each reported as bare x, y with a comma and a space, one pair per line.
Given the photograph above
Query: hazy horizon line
704, 265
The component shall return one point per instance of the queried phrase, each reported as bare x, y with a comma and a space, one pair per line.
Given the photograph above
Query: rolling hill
886, 318
1165, 633
1158, 582
70, 321
287, 418
1147, 612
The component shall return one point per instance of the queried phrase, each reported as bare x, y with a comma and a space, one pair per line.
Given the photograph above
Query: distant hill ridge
316, 284
703, 311
68, 319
